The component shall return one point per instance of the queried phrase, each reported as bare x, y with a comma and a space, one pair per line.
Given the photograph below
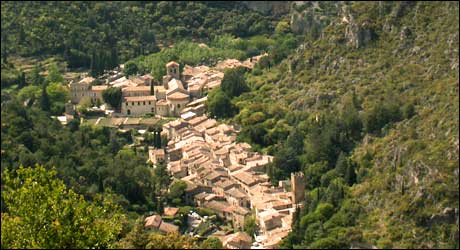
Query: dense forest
360, 96
103, 34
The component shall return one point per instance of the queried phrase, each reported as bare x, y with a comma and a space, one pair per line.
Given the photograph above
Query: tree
284, 163
112, 96
212, 243
137, 238
43, 213
326, 243
295, 141
352, 121
350, 176
45, 103
234, 83
84, 104
152, 89
30, 92
36, 78
54, 76
282, 27
219, 105
177, 192
21, 80
130, 69
171, 241
250, 225
342, 164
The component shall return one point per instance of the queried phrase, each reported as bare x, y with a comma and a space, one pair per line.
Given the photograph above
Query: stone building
84, 88
138, 105
298, 187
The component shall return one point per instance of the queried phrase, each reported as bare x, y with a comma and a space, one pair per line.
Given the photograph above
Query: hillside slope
382, 80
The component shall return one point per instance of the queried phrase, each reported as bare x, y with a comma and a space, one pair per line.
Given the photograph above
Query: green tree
212, 243
342, 164
177, 192
326, 243
36, 78
43, 213
45, 103
350, 176
282, 27
31, 92
54, 76
130, 68
21, 80
113, 96
219, 105
171, 241
250, 225
234, 83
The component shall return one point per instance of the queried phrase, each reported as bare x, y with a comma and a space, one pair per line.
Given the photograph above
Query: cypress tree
350, 176
45, 100
21, 80
152, 89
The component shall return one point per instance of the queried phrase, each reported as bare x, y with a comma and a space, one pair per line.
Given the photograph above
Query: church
168, 99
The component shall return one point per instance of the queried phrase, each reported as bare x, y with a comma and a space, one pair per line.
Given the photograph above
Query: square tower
298, 187
172, 70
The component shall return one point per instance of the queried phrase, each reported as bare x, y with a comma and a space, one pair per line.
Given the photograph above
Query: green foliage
234, 83
380, 115
36, 78
45, 102
88, 157
177, 192
219, 104
108, 31
113, 97
130, 68
170, 241
43, 213
54, 76
282, 27
31, 92
250, 225
212, 243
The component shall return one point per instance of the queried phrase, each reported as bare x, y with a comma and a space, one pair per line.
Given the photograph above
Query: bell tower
172, 70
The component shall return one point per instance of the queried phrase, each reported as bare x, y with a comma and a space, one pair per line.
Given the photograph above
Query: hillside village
226, 177
178, 93
221, 174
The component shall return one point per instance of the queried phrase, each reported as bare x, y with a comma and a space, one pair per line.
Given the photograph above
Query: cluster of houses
175, 93
141, 97
227, 177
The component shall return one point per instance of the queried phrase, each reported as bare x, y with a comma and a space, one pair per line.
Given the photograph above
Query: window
139, 103
153, 110
132, 103
150, 102
144, 103
129, 112
127, 103
178, 105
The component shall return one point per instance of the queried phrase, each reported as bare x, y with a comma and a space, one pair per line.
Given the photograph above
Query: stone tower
172, 69
298, 187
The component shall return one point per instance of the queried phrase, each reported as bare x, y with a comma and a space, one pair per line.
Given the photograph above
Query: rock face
276, 8
307, 18
305, 22
357, 35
